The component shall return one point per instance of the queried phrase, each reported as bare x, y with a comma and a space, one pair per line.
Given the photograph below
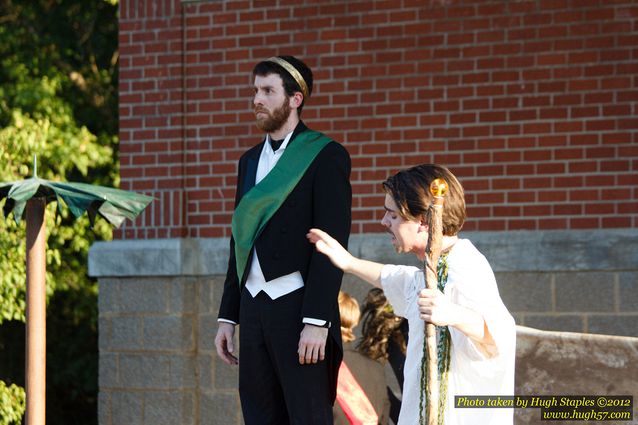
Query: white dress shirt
256, 281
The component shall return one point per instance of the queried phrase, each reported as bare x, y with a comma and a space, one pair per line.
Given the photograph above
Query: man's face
271, 104
407, 235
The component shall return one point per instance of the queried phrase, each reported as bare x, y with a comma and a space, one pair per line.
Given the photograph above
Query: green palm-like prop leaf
114, 205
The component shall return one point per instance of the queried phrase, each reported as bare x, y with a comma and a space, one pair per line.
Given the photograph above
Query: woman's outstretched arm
340, 257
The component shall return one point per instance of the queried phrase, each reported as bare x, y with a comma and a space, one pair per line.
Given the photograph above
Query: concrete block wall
157, 353
157, 324
600, 302
147, 351
158, 305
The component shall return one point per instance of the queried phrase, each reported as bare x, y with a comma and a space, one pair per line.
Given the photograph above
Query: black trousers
274, 388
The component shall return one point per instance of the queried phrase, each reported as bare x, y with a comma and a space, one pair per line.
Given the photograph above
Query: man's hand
312, 344
436, 308
329, 246
224, 343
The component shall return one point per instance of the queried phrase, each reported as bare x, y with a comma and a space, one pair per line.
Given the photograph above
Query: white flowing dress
474, 369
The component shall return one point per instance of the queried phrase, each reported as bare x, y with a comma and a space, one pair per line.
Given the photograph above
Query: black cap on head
296, 75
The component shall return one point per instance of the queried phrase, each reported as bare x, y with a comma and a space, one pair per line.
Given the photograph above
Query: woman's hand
329, 246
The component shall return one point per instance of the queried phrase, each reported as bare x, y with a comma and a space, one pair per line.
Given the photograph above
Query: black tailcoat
322, 199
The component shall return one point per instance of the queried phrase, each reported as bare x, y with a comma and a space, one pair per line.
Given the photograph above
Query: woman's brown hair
350, 314
380, 327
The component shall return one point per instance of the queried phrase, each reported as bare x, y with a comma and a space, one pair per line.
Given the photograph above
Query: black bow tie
275, 143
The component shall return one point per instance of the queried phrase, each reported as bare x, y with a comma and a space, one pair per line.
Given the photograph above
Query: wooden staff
438, 189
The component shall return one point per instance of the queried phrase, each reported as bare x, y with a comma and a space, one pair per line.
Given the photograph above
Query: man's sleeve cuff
226, 321
316, 322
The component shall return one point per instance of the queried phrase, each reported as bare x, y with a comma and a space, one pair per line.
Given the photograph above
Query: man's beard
274, 121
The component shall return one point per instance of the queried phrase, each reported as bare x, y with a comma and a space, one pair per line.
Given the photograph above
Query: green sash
261, 202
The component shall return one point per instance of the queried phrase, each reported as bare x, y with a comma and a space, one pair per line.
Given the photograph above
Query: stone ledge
577, 362
159, 257
560, 250
556, 363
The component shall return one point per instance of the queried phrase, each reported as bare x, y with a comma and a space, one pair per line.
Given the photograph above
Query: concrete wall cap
508, 251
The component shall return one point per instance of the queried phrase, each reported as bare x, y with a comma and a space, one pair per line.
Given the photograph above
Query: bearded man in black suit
278, 289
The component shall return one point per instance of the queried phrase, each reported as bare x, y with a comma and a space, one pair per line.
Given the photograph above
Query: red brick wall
533, 104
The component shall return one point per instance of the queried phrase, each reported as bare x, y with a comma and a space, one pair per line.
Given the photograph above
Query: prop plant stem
36, 313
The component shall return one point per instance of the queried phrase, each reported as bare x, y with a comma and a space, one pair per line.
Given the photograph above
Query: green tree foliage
58, 99
11, 404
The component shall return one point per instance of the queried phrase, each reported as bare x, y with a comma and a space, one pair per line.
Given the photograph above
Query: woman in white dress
476, 333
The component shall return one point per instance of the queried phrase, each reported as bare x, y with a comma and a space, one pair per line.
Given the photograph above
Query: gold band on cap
293, 73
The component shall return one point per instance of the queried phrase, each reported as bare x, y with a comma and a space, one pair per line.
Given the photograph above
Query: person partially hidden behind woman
384, 337
362, 397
